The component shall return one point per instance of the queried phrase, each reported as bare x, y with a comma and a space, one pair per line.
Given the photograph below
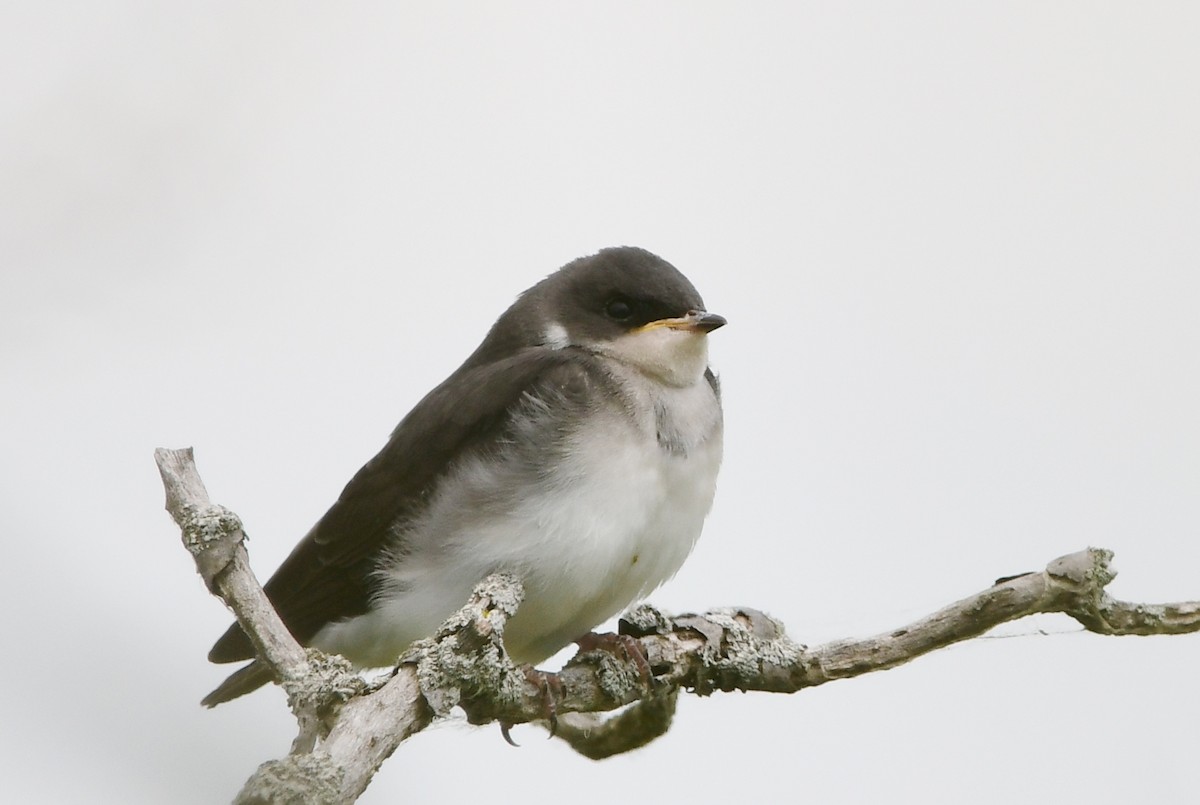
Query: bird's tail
240, 682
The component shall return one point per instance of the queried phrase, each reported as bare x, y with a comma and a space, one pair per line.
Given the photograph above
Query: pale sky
956, 243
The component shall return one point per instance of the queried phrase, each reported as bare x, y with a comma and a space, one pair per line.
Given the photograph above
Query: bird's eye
618, 309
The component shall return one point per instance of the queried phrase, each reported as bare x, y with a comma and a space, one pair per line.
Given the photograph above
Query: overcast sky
957, 245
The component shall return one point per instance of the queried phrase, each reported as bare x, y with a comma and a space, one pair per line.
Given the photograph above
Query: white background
957, 246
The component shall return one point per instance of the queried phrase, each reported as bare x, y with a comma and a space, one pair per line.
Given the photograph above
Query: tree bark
347, 727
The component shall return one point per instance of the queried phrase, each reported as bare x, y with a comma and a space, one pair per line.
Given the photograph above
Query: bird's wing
329, 574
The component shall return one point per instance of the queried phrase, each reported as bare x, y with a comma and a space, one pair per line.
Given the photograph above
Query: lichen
749, 640
300, 779
205, 527
331, 681
617, 678
466, 658
644, 620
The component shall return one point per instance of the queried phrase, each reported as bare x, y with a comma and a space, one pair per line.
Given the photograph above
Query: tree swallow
576, 448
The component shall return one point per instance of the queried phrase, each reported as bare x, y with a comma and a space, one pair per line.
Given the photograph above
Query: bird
576, 448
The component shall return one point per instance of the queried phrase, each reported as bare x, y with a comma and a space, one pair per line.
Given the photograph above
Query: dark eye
618, 309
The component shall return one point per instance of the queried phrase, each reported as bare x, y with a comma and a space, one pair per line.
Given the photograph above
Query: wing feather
329, 575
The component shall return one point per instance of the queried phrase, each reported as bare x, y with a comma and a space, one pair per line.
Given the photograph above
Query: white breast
608, 523
623, 526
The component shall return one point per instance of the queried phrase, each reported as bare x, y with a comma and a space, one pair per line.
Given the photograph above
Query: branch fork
348, 727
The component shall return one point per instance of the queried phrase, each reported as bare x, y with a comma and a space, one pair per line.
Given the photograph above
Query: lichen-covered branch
316, 684
464, 665
743, 649
213, 535
596, 737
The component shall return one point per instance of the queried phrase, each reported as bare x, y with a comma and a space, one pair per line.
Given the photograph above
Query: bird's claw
550, 687
624, 646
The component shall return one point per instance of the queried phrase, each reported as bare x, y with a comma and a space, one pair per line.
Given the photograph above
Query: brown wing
328, 577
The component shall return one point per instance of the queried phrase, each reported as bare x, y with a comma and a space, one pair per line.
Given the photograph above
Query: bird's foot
621, 645
551, 689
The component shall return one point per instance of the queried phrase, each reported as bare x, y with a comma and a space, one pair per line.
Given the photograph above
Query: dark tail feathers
240, 682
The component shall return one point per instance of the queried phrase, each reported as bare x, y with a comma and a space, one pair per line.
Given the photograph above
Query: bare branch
214, 537
464, 664
315, 684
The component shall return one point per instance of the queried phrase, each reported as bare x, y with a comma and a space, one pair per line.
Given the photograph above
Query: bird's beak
696, 321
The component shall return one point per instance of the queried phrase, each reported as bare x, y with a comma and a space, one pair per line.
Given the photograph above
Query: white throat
674, 357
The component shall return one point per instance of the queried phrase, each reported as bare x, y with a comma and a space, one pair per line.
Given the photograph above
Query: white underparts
592, 517
677, 358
